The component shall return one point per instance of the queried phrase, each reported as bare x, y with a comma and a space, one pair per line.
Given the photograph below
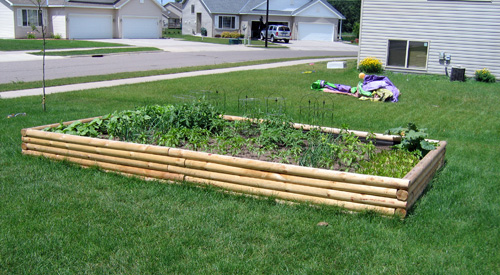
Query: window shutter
19, 17
237, 22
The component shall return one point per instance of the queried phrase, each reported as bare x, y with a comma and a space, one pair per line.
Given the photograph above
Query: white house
428, 36
86, 19
308, 19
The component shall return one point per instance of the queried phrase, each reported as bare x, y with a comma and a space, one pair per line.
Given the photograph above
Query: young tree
43, 29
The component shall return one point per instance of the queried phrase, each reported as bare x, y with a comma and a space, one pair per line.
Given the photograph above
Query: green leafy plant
392, 163
200, 126
370, 65
412, 139
31, 35
484, 75
355, 29
329, 151
92, 129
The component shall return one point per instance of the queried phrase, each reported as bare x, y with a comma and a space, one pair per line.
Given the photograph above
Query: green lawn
225, 41
98, 51
59, 218
37, 44
20, 85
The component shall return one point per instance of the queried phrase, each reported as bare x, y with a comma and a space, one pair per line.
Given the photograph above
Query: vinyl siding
147, 9
6, 20
469, 31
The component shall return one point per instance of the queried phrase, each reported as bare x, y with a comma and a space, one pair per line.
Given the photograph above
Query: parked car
276, 32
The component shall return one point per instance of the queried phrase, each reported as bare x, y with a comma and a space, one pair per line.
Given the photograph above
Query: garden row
353, 191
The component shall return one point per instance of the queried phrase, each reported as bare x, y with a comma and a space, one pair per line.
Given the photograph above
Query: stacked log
389, 196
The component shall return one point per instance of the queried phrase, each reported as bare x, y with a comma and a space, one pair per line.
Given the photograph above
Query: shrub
355, 29
370, 65
31, 35
484, 75
412, 139
57, 36
230, 35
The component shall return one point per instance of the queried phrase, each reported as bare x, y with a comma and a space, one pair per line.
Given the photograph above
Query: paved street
175, 54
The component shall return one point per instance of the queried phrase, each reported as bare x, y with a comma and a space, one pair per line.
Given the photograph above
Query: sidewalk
110, 83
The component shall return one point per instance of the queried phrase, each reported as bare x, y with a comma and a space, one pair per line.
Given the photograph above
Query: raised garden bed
352, 191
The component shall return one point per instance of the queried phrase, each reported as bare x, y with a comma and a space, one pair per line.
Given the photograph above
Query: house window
192, 8
407, 54
31, 17
226, 22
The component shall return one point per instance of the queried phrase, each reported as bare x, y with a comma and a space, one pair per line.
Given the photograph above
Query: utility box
457, 74
336, 65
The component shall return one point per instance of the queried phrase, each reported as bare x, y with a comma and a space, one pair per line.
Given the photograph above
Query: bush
355, 29
370, 65
31, 35
230, 35
484, 75
56, 36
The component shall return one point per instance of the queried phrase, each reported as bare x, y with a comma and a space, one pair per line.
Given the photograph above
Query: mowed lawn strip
37, 44
98, 51
59, 218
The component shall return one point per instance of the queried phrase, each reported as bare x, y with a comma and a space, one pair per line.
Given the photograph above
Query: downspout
340, 31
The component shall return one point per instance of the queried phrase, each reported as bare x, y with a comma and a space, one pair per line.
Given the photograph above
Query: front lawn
98, 51
224, 41
21, 85
59, 218
37, 44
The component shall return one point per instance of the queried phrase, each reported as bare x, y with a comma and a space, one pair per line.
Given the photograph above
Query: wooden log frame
388, 196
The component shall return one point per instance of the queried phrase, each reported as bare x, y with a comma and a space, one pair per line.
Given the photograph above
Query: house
82, 19
307, 19
172, 16
432, 36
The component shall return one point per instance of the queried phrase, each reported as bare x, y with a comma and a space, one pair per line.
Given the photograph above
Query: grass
59, 218
37, 44
21, 85
224, 41
98, 51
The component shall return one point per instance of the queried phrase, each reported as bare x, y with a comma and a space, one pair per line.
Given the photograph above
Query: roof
110, 4
258, 7
221, 6
175, 5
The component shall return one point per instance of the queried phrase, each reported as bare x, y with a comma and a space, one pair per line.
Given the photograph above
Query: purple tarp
375, 82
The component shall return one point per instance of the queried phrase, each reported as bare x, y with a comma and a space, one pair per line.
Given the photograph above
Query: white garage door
90, 26
140, 27
316, 32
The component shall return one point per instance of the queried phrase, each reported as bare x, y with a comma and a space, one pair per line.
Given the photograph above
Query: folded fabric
378, 95
320, 84
375, 82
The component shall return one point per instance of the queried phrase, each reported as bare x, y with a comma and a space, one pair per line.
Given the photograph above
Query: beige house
88, 19
172, 16
308, 19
